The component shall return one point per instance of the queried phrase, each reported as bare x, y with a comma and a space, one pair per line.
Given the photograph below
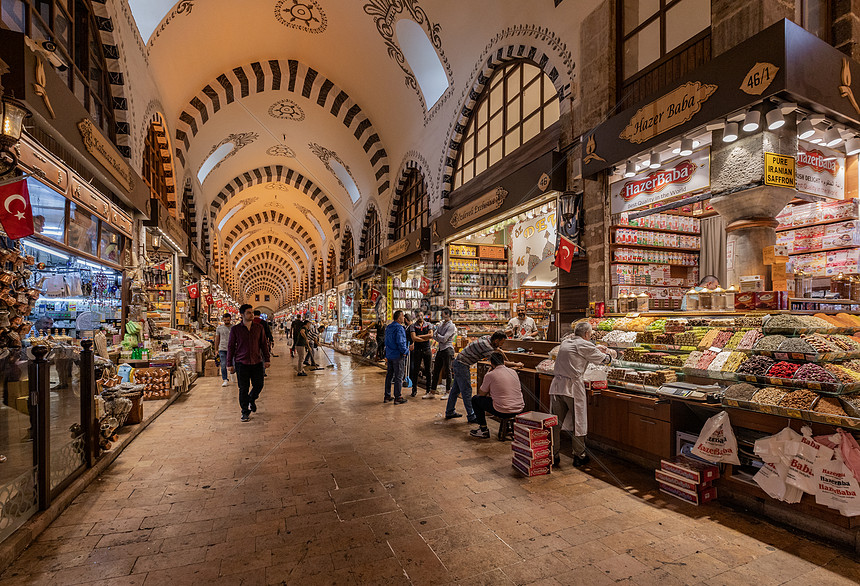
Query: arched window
518, 103
320, 273
347, 251
413, 208
370, 236
330, 263
423, 60
155, 169
71, 26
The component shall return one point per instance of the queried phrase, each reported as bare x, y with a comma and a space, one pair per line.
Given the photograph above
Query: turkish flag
209, 300
564, 254
16, 215
424, 287
374, 295
219, 304
193, 291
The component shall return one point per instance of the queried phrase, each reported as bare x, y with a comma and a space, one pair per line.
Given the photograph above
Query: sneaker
224, 383
444, 397
453, 415
246, 417
400, 400
581, 460
556, 461
387, 399
429, 396
253, 406
303, 374
481, 433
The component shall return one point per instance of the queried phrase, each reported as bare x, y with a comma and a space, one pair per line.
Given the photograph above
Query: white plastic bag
805, 452
836, 486
717, 442
771, 479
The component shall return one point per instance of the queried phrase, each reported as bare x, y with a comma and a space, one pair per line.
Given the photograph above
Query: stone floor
326, 485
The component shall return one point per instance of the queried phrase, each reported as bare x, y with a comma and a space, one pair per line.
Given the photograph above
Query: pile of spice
821, 343
844, 375
796, 345
750, 321
756, 365
813, 372
741, 392
769, 396
771, 342
830, 406
784, 321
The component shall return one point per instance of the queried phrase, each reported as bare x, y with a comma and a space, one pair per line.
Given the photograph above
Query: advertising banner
820, 170
533, 242
676, 178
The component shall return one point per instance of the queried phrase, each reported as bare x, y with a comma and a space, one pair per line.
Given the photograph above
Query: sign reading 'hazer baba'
667, 112
679, 177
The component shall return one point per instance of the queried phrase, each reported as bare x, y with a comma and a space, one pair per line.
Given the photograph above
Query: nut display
756, 365
830, 406
800, 399
741, 392
813, 372
783, 369
768, 396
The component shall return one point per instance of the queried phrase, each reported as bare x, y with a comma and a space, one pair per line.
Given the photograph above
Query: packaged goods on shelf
695, 470
662, 222
666, 257
813, 213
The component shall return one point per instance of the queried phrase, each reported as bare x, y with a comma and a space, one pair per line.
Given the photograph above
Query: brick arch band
261, 284
269, 257
498, 53
279, 243
268, 270
271, 217
277, 75
277, 174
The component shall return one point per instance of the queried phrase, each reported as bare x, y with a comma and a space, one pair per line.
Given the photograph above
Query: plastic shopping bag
848, 447
774, 448
717, 442
836, 486
771, 479
805, 452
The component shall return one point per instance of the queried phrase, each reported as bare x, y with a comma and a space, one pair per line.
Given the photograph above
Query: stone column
749, 207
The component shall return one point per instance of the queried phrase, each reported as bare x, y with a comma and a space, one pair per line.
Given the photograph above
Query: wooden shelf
478, 258
652, 247
664, 231
822, 223
634, 262
475, 299
660, 286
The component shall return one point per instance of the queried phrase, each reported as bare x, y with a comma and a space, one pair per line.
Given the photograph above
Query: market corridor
326, 485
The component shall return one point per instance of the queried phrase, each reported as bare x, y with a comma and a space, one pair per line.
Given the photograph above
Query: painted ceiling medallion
286, 109
304, 15
281, 150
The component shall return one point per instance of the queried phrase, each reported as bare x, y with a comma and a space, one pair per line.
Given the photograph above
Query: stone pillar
734, 21
749, 207
846, 27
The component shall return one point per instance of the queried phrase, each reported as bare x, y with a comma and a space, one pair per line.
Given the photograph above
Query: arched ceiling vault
322, 107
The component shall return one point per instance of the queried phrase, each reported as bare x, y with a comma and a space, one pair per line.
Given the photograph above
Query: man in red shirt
248, 357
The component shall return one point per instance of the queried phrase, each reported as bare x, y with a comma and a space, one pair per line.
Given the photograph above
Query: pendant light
686, 147
730, 134
654, 160
752, 121
805, 130
852, 146
630, 169
817, 137
832, 137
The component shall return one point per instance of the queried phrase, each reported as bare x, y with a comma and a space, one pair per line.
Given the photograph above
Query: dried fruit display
783, 369
842, 374
802, 399
757, 365
821, 343
815, 373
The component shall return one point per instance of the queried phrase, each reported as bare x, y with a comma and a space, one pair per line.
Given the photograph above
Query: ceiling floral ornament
303, 15
326, 155
181, 8
287, 109
281, 150
240, 140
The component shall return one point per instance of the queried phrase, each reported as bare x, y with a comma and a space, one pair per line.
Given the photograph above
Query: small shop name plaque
483, 205
667, 112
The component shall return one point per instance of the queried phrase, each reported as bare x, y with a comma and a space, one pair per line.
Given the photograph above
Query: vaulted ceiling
316, 94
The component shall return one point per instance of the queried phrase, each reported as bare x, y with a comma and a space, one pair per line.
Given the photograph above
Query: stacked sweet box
532, 445
688, 479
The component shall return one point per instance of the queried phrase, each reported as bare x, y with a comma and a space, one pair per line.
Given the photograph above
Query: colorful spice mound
796, 345
757, 365
770, 342
842, 374
813, 372
769, 396
783, 369
799, 399
830, 406
785, 322
741, 392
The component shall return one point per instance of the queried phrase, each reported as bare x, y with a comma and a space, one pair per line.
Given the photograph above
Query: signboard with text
779, 170
676, 178
820, 170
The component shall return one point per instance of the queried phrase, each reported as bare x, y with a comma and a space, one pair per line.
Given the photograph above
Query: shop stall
348, 318
408, 282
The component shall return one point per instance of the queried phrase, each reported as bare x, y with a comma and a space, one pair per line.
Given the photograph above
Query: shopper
313, 338
500, 394
296, 327
419, 335
706, 283
300, 344
478, 350
396, 352
222, 338
567, 391
258, 317
380, 340
521, 326
248, 357
444, 335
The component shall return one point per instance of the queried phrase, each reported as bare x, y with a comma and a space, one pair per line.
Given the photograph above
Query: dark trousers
249, 376
443, 361
309, 357
421, 363
394, 376
483, 405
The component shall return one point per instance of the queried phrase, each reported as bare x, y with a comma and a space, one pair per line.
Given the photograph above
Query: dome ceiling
318, 109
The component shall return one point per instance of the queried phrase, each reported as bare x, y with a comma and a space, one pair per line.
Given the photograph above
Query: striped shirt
478, 350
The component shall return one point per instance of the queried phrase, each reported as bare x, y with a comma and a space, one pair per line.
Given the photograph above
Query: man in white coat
567, 391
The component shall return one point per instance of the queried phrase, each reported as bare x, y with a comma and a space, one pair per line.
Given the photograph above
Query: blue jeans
394, 376
462, 386
223, 355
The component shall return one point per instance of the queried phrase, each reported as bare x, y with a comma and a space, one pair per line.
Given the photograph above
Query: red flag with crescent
16, 215
193, 291
219, 304
209, 300
564, 254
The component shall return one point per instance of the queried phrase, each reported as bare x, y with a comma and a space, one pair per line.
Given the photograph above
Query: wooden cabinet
649, 435
641, 425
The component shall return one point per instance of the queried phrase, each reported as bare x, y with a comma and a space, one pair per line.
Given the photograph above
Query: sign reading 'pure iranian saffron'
675, 179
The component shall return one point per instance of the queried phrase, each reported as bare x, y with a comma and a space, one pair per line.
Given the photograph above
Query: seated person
707, 283
500, 394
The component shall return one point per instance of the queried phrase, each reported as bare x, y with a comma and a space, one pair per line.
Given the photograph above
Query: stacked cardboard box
532, 445
688, 479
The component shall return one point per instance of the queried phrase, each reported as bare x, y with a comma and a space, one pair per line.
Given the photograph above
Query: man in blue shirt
396, 351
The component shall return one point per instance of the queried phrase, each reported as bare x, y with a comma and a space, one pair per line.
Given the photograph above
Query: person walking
258, 317
396, 352
444, 336
567, 391
313, 337
501, 394
300, 344
420, 334
294, 334
222, 338
478, 350
248, 356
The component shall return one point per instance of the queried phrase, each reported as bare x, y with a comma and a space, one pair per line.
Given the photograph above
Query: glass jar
692, 297
854, 289
837, 285
706, 302
718, 299
642, 302
730, 298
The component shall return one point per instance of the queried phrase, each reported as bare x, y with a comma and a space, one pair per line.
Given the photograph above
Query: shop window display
49, 210
83, 229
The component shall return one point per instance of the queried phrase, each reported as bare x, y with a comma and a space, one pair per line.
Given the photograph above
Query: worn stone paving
326, 485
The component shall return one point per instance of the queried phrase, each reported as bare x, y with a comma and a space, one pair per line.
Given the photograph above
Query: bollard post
39, 403
88, 419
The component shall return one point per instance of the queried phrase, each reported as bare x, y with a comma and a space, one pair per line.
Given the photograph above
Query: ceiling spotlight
654, 161
805, 130
852, 146
730, 134
775, 119
832, 137
630, 169
752, 121
817, 137
686, 147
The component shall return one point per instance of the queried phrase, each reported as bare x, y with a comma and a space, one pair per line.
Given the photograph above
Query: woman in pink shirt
500, 394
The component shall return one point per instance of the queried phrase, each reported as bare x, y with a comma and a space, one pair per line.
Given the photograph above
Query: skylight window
214, 159
148, 14
345, 179
229, 215
238, 242
423, 60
